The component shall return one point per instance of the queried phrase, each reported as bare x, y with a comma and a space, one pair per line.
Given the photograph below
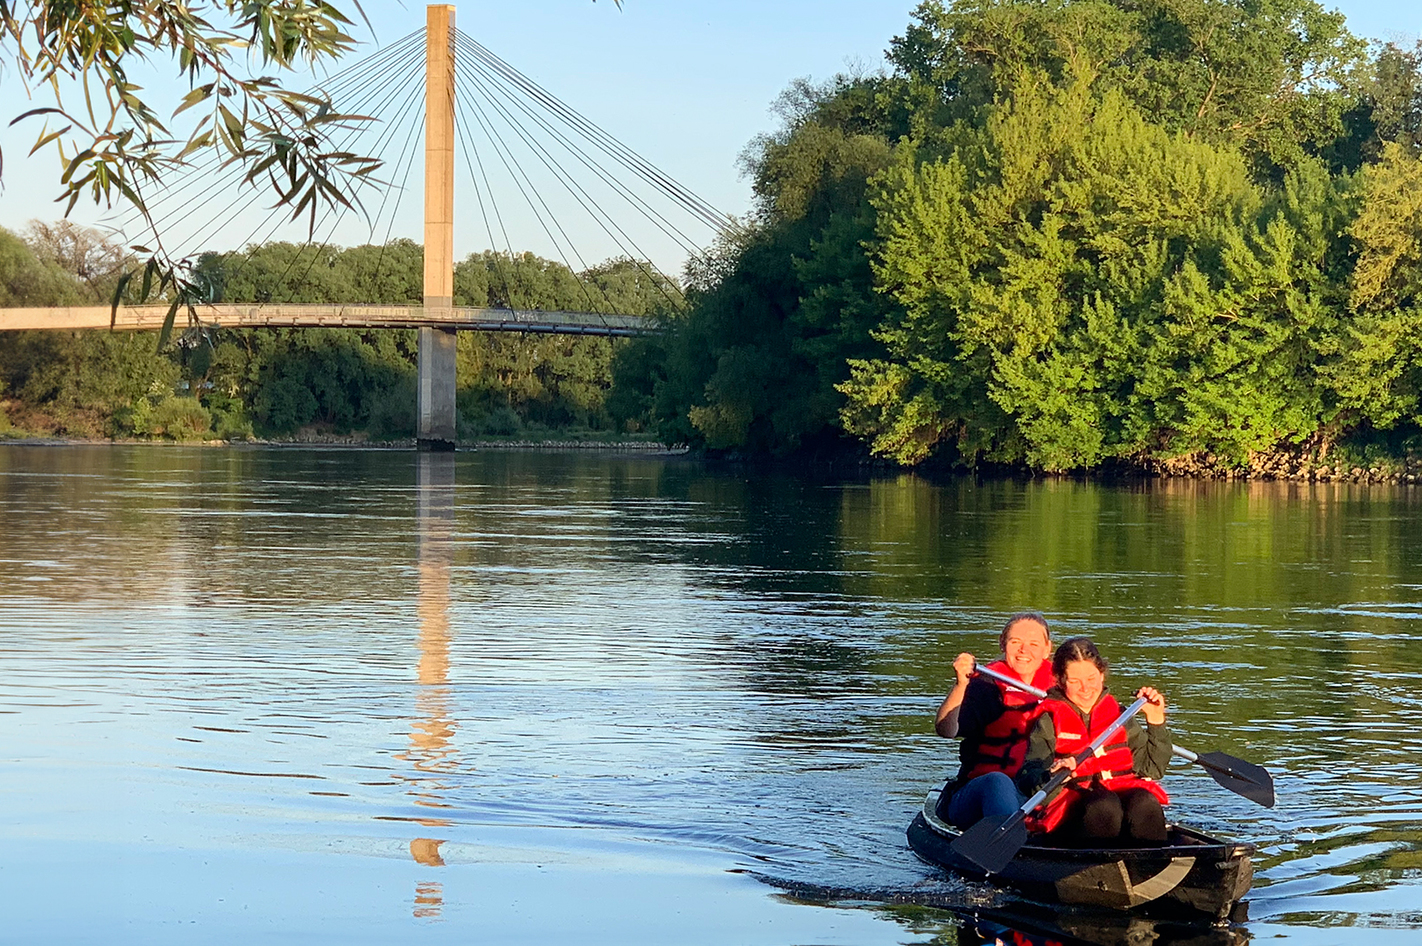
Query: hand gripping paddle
994, 841
1243, 778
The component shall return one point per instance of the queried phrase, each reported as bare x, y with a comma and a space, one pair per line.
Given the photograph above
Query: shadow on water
965, 914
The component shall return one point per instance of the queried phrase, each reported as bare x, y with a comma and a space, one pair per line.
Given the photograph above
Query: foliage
776, 314
114, 142
26, 279
181, 418
275, 382
1379, 372
1068, 233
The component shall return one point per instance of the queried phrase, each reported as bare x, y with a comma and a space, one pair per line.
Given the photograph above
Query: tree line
1053, 234
239, 383
1065, 234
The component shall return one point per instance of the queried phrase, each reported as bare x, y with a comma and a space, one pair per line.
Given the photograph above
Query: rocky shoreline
1287, 467
1293, 467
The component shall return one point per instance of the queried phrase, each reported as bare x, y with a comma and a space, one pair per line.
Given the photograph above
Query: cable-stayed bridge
531, 167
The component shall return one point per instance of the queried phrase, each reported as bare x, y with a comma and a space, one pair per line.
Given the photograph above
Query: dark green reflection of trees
1252, 603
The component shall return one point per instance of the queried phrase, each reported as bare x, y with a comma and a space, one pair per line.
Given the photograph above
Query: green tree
1057, 234
1378, 375
776, 312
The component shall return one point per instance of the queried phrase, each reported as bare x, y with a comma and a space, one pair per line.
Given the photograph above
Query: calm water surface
279, 695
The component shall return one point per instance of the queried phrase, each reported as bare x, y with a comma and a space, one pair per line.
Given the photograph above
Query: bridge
386, 80
299, 315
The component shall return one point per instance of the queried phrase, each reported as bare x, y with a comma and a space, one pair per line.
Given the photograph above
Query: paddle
994, 841
1243, 778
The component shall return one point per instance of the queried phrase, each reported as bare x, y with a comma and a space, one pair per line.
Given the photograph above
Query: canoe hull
1192, 874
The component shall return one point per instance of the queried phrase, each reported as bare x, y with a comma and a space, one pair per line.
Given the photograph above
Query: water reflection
681, 658
430, 752
1028, 924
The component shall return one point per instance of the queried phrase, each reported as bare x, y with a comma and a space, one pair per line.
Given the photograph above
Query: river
346, 696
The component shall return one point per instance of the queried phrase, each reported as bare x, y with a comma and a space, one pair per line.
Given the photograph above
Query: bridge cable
610, 145
338, 214
391, 92
278, 212
470, 148
505, 156
638, 203
584, 266
575, 190
170, 188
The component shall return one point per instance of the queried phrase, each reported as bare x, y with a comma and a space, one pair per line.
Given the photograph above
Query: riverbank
1346, 464
355, 441
1308, 467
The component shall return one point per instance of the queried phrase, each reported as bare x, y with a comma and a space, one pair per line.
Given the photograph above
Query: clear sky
685, 83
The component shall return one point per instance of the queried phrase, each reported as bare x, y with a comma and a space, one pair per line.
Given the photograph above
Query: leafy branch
112, 142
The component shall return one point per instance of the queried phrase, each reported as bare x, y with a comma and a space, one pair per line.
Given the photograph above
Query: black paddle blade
991, 843
1240, 777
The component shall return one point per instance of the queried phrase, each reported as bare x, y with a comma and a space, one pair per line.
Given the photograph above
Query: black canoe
1191, 874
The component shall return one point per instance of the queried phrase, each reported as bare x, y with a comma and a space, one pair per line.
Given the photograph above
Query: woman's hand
1069, 764
963, 667
947, 723
1154, 710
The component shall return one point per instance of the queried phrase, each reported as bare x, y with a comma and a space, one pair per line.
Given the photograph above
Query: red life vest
1113, 765
1003, 743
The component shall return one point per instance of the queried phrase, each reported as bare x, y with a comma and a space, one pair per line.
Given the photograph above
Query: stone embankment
1300, 467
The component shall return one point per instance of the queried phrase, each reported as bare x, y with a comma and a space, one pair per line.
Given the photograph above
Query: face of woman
1024, 648
1082, 683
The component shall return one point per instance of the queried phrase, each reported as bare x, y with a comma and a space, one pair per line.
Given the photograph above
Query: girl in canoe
993, 720
1113, 796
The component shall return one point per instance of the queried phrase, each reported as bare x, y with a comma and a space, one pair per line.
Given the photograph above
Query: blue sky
685, 83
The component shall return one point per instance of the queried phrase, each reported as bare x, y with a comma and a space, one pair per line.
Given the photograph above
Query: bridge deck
334, 316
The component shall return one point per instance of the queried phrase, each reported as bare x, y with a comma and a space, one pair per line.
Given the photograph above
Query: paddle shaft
1058, 780
1012, 681
1237, 775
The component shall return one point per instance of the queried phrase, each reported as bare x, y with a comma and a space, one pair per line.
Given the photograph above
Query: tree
114, 143
84, 252
1062, 233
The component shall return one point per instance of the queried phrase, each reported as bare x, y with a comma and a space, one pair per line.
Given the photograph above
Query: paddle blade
1242, 778
991, 843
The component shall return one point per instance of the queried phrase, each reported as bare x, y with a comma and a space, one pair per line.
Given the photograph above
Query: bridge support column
436, 394
436, 428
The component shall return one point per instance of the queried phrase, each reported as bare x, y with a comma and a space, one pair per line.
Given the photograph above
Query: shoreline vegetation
355, 441
1091, 237
1281, 467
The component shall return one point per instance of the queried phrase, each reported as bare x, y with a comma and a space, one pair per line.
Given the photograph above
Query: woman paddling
1112, 796
993, 720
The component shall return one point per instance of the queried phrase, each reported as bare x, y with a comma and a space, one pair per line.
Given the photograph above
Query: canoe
1192, 874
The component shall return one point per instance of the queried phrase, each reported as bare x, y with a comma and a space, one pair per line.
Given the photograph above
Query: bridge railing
138, 317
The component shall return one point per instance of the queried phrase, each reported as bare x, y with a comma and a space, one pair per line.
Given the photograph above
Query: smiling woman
1114, 794
993, 719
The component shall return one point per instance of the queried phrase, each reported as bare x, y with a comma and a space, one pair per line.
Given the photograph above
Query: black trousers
1130, 816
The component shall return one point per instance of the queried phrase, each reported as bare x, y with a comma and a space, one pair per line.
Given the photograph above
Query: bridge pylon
435, 428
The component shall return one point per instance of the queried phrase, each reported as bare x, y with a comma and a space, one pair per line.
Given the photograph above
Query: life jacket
1113, 765
1003, 743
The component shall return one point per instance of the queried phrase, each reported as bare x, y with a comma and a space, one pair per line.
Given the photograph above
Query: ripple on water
587, 660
